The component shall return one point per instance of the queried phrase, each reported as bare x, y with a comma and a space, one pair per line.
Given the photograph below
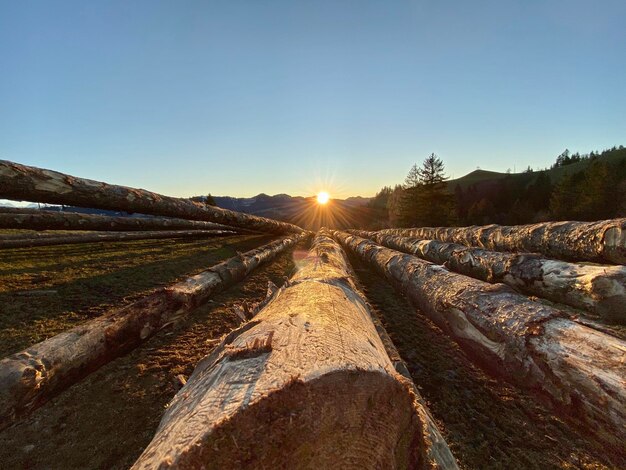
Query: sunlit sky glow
323, 197
242, 97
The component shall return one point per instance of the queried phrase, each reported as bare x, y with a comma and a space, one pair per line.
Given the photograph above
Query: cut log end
350, 418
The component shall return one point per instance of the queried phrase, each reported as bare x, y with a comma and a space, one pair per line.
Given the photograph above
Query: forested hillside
576, 187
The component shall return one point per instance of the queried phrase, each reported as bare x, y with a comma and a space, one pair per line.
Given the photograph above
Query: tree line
576, 187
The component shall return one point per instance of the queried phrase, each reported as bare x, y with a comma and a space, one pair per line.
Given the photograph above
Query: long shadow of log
25, 320
487, 422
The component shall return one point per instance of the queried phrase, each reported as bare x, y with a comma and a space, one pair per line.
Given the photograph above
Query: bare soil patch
487, 422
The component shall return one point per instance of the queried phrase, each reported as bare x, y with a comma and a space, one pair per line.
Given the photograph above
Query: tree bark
21, 182
531, 344
306, 384
602, 241
600, 289
31, 377
45, 239
34, 219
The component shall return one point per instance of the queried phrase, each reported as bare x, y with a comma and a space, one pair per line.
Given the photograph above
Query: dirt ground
46, 290
488, 423
105, 421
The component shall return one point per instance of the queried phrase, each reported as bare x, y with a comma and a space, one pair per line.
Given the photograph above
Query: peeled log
34, 219
602, 241
31, 377
45, 239
27, 183
600, 289
306, 384
530, 343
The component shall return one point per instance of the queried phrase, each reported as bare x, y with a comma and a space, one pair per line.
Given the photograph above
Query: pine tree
426, 198
210, 201
565, 198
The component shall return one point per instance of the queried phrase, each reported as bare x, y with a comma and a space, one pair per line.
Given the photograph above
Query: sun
322, 197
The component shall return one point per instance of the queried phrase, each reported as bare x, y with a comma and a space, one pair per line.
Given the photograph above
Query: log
534, 345
21, 182
34, 219
600, 289
603, 241
31, 377
45, 239
306, 384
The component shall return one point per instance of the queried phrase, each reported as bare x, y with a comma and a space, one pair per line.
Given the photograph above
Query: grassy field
46, 290
106, 420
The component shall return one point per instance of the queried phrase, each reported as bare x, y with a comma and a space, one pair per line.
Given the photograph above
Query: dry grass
46, 290
106, 420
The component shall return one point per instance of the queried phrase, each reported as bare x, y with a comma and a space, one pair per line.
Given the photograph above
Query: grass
106, 420
46, 290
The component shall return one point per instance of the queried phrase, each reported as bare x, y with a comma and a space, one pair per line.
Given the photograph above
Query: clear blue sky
241, 97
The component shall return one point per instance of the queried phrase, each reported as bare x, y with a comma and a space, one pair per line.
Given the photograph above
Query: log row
35, 219
31, 377
600, 289
582, 370
48, 239
306, 384
603, 241
27, 183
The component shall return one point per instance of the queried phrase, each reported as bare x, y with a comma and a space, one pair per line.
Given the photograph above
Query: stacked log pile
534, 345
21, 182
599, 289
603, 241
31, 377
307, 383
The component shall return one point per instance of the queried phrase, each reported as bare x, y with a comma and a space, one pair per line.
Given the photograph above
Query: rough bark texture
600, 289
45, 239
602, 241
532, 344
306, 384
21, 182
31, 377
34, 219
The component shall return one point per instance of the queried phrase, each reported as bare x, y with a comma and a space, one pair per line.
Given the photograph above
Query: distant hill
481, 177
476, 176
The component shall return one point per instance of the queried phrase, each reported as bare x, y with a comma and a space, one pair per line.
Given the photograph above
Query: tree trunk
602, 241
34, 219
45, 239
31, 377
530, 343
599, 289
21, 182
306, 384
